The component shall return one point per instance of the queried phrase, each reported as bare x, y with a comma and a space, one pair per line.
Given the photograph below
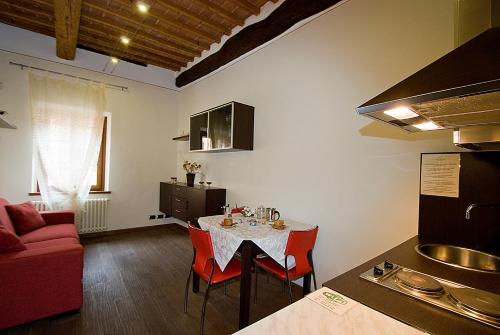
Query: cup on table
228, 222
279, 223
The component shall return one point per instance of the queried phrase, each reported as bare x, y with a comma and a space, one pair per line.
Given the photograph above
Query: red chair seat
50, 232
274, 267
232, 270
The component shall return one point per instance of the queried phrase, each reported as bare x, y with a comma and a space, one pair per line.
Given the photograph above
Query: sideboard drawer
179, 214
180, 191
179, 203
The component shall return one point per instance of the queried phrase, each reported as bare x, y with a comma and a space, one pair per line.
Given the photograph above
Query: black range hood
460, 89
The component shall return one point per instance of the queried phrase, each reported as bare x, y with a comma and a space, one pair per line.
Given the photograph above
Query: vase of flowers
191, 169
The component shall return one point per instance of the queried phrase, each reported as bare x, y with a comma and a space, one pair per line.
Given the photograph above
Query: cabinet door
166, 198
220, 127
198, 132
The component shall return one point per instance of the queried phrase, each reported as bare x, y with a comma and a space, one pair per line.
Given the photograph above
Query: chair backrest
4, 216
202, 244
300, 244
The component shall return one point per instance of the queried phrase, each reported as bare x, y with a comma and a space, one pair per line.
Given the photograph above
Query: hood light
114, 60
427, 126
401, 113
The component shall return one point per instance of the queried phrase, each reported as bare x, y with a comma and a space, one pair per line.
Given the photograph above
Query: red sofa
46, 278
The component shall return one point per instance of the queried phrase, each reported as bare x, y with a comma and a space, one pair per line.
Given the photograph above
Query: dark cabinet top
195, 187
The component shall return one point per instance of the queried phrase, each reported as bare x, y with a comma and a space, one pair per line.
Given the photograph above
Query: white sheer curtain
67, 120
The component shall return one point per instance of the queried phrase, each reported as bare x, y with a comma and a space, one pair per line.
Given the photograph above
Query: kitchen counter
418, 314
348, 317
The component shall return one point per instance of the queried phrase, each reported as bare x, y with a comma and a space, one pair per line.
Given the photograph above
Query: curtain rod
22, 66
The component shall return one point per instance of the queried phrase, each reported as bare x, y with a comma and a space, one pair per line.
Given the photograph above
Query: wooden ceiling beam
163, 19
160, 43
166, 46
196, 45
231, 17
136, 44
19, 8
26, 23
167, 4
130, 53
47, 29
255, 35
6, 10
67, 22
245, 5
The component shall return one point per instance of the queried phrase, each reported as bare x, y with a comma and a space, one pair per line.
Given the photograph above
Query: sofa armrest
58, 217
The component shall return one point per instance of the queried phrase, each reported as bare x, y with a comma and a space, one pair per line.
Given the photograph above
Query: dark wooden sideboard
188, 203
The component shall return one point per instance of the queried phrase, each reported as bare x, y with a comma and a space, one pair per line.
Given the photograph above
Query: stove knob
377, 272
388, 265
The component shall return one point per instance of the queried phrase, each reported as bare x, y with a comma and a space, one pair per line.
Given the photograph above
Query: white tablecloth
227, 240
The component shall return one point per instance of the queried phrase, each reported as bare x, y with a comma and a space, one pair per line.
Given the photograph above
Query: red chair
205, 266
300, 245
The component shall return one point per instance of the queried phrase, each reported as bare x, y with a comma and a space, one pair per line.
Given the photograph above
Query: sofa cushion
51, 243
9, 242
25, 217
50, 233
4, 216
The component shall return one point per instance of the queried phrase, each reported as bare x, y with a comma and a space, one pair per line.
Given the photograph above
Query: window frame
101, 162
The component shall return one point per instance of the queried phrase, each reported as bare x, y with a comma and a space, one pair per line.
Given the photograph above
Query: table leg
196, 282
306, 288
246, 281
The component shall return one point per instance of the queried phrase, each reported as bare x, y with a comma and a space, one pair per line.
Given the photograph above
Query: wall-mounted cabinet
225, 128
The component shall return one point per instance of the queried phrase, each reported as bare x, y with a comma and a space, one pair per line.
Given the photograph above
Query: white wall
315, 159
142, 152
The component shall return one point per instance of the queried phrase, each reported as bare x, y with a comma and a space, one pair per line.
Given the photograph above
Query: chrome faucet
472, 206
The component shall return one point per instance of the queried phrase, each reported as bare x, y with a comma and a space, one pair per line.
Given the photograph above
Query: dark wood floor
134, 284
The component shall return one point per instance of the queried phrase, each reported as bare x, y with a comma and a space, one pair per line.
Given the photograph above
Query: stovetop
472, 303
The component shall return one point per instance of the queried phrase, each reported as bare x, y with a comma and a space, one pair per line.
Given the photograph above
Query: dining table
250, 237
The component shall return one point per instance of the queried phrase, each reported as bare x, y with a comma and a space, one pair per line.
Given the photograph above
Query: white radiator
93, 217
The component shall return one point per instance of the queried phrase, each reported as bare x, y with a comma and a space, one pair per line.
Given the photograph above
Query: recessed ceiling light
125, 40
115, 60
427, 126
401, 113
142, 6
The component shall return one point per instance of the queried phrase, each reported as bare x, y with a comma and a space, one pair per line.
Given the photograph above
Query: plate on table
227, 226
282, 227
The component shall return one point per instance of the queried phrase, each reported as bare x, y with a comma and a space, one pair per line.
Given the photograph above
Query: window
100, 173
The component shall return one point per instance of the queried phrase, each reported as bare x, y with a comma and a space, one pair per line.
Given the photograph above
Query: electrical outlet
160, 216
152, 217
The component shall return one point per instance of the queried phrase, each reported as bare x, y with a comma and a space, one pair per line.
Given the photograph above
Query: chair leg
225, 288
202, 323
313, 272
256, 285
289, 291
187, 289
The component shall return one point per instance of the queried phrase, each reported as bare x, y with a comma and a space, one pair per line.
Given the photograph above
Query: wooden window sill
91, 192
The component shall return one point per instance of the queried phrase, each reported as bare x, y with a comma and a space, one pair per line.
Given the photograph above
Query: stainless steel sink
460, 257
